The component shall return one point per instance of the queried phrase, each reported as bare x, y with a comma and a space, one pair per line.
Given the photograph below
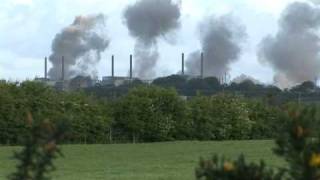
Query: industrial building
80, 82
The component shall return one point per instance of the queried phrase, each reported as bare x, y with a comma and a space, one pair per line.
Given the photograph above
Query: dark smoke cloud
294, 51
81, 44
147, 21
220, 43
242, 78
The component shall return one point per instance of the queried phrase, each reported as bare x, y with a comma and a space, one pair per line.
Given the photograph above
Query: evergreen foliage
35, 161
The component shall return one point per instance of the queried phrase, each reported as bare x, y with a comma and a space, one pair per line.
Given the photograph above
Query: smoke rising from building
81, 44
242, 78
147, 21
221, 39
293, 52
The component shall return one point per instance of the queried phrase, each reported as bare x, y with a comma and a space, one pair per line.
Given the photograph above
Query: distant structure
80, 82
45, 68
117, 80
201, 65
182, 64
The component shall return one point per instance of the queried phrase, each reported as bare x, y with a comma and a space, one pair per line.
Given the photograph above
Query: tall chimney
225, 78
130, 66
62, 68
112, 66
201, 71
182, 72
45, 68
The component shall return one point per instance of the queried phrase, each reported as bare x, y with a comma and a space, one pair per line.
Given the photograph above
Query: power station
79, 82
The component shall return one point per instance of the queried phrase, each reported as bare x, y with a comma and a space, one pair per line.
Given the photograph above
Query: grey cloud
221, 39
81, 44
147, 21
293, 52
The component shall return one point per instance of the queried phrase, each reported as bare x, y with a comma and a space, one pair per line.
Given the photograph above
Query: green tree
150, 113
266, 119
89, 117
220, 117
35, 160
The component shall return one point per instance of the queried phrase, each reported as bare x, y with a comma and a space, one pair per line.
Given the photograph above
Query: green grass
167, 161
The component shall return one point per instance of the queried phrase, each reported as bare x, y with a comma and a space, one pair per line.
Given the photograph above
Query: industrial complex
80, 82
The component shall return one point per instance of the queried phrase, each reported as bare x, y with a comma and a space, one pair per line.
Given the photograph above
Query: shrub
40, 148
220, 117
89, 117
150, 114
222, 169
266, 120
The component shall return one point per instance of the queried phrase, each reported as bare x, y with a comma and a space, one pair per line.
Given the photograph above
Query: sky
27, 28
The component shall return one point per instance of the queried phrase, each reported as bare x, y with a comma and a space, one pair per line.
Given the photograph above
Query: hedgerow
145, 114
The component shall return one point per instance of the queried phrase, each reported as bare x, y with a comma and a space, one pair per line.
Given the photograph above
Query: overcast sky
27, 28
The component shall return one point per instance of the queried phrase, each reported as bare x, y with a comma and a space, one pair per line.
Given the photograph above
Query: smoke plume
242, 78
81, 44
293, 51
220, 43
147, 21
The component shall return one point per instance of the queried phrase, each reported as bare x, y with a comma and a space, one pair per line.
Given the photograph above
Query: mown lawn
167, 161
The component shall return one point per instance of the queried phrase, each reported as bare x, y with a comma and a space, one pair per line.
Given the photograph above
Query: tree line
185, 86
147, 113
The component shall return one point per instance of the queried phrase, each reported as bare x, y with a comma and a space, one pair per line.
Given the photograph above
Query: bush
35, 161
220, 117
150, 114
221, 169
266, 120
89, 117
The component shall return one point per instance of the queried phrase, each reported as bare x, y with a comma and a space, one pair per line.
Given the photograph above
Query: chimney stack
201, 71
112, 66
225, 78
182, 72
130, 66
45, 68
62, 68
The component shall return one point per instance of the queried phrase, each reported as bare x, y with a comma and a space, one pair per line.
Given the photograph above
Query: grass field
167, 161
